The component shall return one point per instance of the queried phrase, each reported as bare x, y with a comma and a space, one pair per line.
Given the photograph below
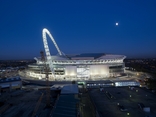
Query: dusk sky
78, 26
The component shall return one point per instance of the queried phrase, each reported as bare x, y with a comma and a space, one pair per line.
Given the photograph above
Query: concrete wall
102, 70
70, 71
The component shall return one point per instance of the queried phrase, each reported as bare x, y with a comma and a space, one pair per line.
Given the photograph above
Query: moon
116, 23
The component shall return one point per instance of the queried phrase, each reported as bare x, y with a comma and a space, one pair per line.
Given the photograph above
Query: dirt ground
22, 103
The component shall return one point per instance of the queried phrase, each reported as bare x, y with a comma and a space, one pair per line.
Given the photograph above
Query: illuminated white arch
47, 51
44, 32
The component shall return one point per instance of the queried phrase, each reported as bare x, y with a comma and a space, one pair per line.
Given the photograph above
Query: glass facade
83, 71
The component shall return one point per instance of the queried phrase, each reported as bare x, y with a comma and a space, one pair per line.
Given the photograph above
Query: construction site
63, 100
25, 103
19, 98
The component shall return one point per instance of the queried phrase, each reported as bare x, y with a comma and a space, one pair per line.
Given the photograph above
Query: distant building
9, 84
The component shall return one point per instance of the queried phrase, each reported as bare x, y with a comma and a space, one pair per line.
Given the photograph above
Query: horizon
127, 57
116, 27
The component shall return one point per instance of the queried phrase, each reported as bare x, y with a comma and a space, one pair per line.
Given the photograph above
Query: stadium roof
94, 55
87, 56
70, 89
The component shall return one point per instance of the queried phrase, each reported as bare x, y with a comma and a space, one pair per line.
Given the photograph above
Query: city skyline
78, 27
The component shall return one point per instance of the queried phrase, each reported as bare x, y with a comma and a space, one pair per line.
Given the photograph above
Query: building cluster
10, 68
144, 65
9, 84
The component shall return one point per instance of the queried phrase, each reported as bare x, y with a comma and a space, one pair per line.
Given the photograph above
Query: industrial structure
76, 67
9, 84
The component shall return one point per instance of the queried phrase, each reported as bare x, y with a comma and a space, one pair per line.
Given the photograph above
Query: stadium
86, 66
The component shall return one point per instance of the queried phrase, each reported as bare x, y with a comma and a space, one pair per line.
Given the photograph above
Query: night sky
78, 26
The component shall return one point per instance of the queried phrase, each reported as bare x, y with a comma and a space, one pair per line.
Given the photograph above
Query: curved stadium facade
87, 66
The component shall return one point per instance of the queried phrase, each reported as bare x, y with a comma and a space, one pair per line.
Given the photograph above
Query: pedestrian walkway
86, 106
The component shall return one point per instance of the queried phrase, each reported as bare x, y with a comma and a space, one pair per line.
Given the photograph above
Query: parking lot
107, 105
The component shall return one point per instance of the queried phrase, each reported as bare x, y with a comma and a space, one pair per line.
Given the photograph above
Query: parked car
122, 108
141, 106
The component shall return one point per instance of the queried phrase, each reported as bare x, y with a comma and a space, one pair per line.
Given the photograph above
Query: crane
46, 69
37, 106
